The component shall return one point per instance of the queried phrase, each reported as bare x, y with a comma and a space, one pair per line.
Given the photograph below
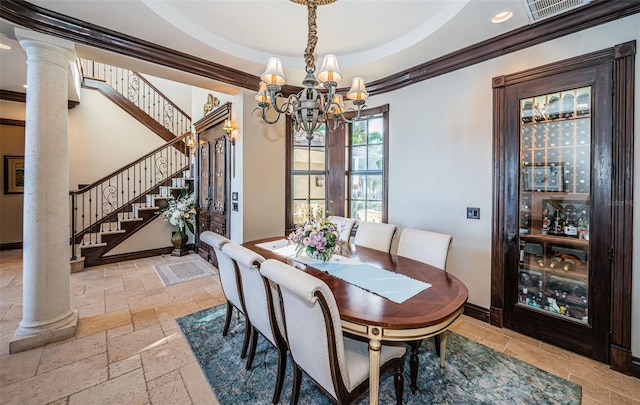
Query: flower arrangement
181, 212
318, 238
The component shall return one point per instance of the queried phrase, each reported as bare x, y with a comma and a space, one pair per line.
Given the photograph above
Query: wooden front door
214, 178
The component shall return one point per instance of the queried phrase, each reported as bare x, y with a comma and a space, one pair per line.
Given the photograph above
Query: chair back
425, 246
260, 306
229, 278
375, 235
312, 324
345, 225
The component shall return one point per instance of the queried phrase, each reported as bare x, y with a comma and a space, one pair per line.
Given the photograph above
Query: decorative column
46, 314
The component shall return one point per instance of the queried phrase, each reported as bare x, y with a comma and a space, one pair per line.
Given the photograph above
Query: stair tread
93, 245
132, 219
114, 231
142, 206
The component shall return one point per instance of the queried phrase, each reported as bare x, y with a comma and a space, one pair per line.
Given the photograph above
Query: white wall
104, 138
12, 110
262, 172
441, 154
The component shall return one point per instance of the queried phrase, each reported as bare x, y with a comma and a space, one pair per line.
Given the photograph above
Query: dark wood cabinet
562, 233
214, 177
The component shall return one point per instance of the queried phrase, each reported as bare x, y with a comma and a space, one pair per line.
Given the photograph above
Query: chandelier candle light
310, 108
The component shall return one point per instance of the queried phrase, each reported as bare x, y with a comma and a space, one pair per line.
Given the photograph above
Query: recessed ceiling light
4, 46
24, 85
502, 17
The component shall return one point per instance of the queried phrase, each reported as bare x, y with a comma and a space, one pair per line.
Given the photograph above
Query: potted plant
181, 213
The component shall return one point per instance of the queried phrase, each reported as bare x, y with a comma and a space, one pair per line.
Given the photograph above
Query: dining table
429, 312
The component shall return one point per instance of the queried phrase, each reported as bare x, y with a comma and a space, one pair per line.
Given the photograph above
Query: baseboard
477, 312
635, 367
11, 246
136, 255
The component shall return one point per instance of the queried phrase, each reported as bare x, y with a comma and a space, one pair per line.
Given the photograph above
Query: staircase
110, 210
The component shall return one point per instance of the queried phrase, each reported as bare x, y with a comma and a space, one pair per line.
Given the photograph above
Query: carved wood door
214, 188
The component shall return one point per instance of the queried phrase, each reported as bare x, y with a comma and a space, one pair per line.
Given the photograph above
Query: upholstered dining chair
229, 279
375, 235
430, 248
338, 364
425, 246
344, 224
262, 307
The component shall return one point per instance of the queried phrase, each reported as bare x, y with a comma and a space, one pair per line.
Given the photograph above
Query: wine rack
553, 275
555, 142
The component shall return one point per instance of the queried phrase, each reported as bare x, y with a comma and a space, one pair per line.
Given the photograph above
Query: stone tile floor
129, 349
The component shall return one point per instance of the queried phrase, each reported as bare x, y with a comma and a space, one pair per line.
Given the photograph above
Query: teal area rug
475, 374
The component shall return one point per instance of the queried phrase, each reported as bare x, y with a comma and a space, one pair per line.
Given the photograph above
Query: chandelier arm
326, 105
312, 36
284, 107
340, 113
264, 115
335, 123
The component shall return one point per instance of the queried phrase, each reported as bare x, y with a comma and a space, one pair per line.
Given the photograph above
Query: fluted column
47, 315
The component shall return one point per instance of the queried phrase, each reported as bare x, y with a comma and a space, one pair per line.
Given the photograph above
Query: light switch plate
473, 213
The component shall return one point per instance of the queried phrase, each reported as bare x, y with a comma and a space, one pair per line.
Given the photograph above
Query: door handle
511, 238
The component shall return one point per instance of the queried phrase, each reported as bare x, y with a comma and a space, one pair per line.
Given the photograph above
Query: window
344, 172
367, 169
308, 174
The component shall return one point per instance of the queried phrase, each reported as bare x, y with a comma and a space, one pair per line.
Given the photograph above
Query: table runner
392, 286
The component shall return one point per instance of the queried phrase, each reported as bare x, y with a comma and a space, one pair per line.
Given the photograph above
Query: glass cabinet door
554, 196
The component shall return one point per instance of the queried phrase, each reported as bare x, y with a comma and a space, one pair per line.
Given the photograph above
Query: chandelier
310, 108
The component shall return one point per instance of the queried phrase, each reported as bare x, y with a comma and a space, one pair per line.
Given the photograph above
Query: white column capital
34, 40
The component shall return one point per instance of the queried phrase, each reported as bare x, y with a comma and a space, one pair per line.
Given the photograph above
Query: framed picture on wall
14, 174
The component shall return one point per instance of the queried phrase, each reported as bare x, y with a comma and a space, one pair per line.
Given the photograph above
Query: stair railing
97, 206
143, 94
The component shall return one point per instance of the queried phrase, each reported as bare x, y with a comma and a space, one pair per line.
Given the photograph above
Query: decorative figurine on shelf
545, 221
582, 229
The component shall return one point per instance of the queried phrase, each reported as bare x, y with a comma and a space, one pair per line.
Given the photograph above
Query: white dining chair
375, 235
338, 364
345, 225
431, 248
262, 306
229, 279
425, 246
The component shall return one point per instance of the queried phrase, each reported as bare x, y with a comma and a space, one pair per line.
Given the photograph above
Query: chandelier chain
312, 38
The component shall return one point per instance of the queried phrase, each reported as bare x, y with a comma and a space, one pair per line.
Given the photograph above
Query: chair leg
252, 348
436, 341
413, 364
295, 388
247, 338
282, 365
443, 349
227, 320
399, 381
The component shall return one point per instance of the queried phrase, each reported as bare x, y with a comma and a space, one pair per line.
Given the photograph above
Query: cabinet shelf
559, 119
578, 272
554, 239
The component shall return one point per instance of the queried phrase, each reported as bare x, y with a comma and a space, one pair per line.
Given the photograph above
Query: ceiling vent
538, 10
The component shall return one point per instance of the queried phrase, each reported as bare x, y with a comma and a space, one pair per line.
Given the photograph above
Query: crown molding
42, 20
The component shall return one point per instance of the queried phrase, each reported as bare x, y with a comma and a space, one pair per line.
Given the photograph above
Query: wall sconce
191, 141
229, 127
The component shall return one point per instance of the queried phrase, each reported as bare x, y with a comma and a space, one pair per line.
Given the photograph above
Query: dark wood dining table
428, 313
